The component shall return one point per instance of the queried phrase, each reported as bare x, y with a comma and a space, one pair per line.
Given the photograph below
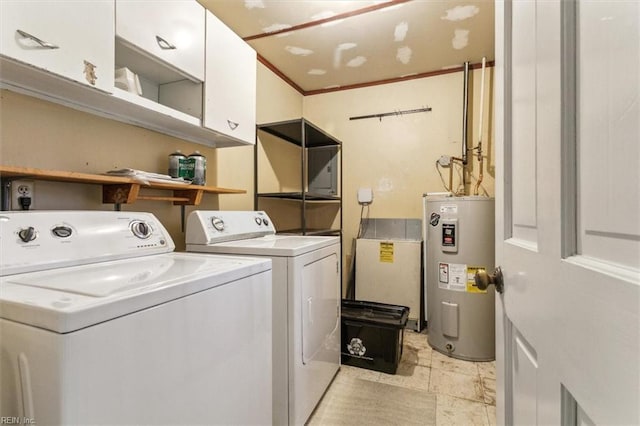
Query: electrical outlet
22, 189
365, 196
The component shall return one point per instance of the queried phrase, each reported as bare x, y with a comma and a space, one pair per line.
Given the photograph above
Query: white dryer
306, 301
102, 323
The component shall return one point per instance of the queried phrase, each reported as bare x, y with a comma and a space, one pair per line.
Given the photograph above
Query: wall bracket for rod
387, 114
5, 194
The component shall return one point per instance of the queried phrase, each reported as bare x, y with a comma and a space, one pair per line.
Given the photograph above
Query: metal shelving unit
315, 146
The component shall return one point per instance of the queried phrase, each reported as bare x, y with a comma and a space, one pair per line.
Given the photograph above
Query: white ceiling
331, 45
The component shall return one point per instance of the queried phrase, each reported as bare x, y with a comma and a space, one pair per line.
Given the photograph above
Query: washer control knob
62, 231
265, 221
27, 234
258, 220
140, 229
217, 223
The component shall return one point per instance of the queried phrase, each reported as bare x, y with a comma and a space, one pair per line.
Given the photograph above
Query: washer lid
270, 245
67, 299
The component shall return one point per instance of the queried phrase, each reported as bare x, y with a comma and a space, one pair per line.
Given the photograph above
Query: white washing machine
102, 323
306, 302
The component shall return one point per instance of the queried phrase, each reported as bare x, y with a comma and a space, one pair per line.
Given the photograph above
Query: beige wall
40, 134
394, 156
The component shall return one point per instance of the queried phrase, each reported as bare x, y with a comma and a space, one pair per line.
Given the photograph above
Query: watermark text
10, 420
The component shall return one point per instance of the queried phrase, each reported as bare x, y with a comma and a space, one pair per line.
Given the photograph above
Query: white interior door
567, 97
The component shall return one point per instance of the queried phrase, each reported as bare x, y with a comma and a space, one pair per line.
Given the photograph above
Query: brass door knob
484, 280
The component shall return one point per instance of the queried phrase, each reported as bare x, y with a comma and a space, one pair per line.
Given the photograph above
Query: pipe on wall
465, 113
479, 147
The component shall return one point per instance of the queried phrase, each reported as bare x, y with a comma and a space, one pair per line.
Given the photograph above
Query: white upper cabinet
230, 83
73, 39
157, 50
172, 31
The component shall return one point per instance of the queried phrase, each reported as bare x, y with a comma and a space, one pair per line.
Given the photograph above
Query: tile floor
465, 391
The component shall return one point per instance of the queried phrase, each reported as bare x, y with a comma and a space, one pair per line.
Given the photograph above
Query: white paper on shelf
147, 177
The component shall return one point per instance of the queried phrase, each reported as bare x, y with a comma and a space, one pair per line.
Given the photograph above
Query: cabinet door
73, 39
172, 31
230, 84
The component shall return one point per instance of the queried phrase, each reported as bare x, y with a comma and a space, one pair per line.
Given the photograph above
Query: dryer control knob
27, 234
62, 231
258, 221
217, 223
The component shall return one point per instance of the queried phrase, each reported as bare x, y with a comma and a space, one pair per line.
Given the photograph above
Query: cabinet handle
164, 44
232, 124
42, 43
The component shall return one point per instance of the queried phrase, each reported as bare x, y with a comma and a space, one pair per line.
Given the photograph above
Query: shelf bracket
120, 193
190, 197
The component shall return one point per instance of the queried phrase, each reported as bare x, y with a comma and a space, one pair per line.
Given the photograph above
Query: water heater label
449, 209
448, 234
449, 241
443, 276
452, 276
457, 276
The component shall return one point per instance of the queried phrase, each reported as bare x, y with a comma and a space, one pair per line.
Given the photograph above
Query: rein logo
6, 420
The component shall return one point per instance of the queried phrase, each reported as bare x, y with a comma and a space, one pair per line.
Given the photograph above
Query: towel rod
386, 114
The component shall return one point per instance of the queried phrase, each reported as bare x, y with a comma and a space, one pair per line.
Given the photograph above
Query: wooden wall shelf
120, 190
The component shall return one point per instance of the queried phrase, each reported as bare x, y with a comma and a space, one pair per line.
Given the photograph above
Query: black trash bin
372, 334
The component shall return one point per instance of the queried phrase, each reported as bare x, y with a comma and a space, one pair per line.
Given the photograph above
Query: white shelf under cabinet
155, 106
121, 106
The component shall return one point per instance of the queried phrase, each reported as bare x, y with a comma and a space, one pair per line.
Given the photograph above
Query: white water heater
459, 241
